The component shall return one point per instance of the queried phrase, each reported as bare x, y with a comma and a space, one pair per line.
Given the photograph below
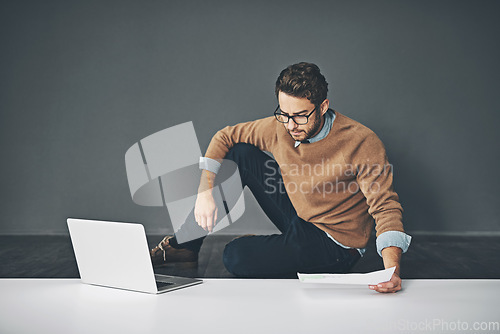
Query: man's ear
324, 106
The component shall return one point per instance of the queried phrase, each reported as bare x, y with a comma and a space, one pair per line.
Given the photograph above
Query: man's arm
390, 246
391, 257
376, 183
260, 133
205, 210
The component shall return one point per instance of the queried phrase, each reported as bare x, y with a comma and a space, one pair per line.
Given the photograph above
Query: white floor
250, 306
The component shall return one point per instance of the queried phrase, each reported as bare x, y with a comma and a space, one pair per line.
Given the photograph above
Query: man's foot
164, 254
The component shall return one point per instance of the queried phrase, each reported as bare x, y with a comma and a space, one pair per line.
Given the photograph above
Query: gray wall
81, 81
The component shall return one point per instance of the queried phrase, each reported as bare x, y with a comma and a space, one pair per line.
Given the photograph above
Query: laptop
116, 255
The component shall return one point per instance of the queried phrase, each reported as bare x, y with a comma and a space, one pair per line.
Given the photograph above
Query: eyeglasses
298, 119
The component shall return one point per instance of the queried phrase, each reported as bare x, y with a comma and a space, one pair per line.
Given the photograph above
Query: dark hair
303, 80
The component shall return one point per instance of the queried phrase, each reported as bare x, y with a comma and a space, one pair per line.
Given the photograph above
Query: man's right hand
205, 210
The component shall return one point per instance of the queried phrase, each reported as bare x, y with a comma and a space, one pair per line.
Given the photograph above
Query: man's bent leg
261, 174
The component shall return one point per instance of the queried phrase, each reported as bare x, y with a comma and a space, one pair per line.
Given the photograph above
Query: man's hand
394, 285
391, 257
205, 211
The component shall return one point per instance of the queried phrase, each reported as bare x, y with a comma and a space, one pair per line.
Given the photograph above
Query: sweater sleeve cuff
209, 164
393, 238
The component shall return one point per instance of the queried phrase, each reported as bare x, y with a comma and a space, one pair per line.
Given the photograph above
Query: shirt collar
325, 130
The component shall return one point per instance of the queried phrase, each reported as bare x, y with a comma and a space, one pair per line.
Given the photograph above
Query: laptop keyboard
160, 285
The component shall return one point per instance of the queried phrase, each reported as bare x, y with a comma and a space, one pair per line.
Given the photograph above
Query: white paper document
372, 278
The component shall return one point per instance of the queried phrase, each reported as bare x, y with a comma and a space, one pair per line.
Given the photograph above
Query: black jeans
301, 246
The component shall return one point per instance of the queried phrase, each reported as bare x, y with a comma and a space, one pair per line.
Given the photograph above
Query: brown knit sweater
340, 183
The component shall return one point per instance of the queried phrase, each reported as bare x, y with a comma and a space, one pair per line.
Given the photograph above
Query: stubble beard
307, 133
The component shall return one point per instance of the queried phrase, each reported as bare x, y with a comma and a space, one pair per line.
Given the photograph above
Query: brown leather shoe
164, 254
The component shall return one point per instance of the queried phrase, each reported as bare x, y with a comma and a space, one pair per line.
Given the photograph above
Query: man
328, 182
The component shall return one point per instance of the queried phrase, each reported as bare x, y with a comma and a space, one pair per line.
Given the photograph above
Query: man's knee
241, 150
